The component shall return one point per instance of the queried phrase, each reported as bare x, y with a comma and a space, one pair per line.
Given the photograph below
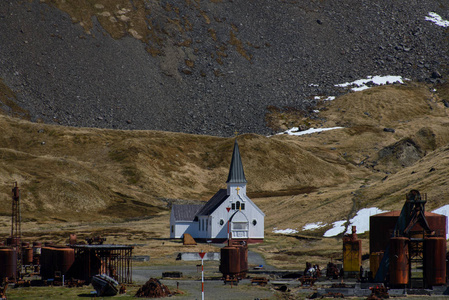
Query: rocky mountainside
207, 67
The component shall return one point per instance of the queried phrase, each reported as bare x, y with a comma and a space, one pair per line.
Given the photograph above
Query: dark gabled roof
236, 173
213, 203
185, 212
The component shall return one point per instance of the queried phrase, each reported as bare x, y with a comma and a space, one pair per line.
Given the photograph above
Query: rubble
153, 288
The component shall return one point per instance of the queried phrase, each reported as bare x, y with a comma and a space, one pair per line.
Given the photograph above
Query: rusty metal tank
374, 262
27, 254
435, 261
352, 252
56, 261
382, 226
230, 261
8, 263
399, 261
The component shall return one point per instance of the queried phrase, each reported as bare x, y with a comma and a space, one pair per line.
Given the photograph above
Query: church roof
213, 203
236, 173
185, 212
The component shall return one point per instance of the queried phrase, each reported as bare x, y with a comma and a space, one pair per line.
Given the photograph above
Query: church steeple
236, 173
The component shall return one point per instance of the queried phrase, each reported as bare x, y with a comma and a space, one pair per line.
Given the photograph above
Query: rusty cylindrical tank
435, 261
230, 261
8, 263
399, 261
27, 253
243, 249
56, 261
382, 226
352, 252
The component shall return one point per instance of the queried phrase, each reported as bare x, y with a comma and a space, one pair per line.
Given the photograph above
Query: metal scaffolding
112, 260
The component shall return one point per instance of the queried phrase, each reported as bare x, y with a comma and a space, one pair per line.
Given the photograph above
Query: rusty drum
435, 261
399, 263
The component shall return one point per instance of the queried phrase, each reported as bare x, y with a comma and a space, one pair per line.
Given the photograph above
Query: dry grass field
120, 184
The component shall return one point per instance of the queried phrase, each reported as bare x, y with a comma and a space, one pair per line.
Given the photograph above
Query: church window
242, 206
199, 225
221, 222
172, 228
207, 225
233, 206
254, 222
239, 225
202, 226
238, 205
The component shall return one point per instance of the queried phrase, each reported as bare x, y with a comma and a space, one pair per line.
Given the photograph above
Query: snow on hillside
362, 84
437, 19
360, 220
295, 130
285, 231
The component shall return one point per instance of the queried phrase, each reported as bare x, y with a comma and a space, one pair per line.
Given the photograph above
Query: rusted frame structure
112, 260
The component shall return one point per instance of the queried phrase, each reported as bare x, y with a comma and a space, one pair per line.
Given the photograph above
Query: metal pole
202, 279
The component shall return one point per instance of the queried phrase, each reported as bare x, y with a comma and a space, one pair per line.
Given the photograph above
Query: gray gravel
298, 49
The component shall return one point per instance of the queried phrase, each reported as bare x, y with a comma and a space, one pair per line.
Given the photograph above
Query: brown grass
119, 184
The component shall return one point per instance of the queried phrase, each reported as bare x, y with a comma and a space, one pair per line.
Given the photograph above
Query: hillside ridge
205, 67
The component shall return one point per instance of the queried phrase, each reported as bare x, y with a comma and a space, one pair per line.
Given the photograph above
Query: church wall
220, 231
181, 228
250, 211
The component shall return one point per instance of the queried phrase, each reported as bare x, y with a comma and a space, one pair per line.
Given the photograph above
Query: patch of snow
330, 98
294, 130
312, 226
316, 111
437, 19
360, 84
314, 84
336, 230
285, 231
360, 220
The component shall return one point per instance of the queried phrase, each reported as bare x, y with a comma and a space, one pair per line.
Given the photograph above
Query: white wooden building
210, 221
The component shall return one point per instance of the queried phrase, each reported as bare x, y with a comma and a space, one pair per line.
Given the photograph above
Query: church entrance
239, 226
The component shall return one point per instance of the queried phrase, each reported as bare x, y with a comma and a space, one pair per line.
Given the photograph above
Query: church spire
236, 173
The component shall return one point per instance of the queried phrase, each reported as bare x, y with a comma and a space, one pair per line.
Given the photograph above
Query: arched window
242, 206
238, 205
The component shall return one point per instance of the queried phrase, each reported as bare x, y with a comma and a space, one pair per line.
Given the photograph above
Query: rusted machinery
18, 258
8, 264
234, 260
409, 246
56, 261
112, 260
352, 253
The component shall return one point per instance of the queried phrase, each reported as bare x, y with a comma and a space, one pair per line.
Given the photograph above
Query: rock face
209, 67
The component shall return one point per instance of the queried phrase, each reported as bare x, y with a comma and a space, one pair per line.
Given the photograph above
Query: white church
209, 222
